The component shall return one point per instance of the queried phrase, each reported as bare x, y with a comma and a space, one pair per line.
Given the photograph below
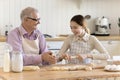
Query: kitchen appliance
102, 26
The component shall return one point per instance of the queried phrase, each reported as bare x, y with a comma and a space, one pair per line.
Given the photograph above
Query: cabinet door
1, 53
113, 47
54, 45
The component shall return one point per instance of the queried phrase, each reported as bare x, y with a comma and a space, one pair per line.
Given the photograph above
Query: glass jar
17, 61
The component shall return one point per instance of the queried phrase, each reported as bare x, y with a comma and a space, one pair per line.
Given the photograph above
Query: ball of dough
72, 68
88, 68
30, 68
55, 68
107, 67
63, 68
113, 67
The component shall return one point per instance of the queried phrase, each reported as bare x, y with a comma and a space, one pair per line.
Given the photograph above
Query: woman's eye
74, 27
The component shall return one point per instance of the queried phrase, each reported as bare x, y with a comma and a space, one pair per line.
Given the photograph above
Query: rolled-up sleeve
103, 53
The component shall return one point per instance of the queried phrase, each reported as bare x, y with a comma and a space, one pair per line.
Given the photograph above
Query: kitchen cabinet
1, 53
112, 46
1, 59
55, 46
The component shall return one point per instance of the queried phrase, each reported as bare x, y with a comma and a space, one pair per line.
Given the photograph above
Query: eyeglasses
33, 19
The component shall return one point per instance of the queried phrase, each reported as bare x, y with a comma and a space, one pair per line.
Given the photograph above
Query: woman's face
76, 28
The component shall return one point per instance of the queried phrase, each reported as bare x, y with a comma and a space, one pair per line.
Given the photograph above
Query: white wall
99, 8
56, 14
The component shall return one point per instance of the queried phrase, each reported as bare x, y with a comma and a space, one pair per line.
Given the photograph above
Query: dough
72, 68
92, 65
63, 68
30, 68
54, 68
88, 68
79, 67
66, 68
107, 67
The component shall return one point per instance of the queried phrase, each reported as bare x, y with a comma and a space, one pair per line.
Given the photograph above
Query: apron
79, 47
30, 47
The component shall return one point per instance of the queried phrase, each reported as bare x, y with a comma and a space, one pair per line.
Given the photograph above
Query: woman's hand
81, 57
64, 56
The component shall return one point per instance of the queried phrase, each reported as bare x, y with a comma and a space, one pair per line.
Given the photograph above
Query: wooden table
58, 75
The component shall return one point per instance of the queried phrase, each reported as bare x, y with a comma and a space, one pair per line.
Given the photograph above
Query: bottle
17, 61
6, 64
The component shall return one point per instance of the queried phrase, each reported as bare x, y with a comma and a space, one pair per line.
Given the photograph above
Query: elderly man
29, 40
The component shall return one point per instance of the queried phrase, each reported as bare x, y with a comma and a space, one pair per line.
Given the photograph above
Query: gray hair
27, 12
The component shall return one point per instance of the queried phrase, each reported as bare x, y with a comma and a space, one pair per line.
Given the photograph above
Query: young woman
81, 44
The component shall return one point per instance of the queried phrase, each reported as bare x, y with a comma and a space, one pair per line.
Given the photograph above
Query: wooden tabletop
58, 75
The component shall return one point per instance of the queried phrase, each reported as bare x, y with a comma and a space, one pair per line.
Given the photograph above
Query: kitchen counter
43, 74
3, 38
108, 38
99, 37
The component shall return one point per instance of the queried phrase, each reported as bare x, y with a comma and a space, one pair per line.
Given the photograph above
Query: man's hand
48, 57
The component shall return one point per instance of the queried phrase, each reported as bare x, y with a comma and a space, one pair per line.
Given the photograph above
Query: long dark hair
79, 19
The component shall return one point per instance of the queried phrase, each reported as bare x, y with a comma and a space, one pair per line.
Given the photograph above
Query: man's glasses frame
33, 19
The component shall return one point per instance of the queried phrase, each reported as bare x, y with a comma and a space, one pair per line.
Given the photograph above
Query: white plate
112, 70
